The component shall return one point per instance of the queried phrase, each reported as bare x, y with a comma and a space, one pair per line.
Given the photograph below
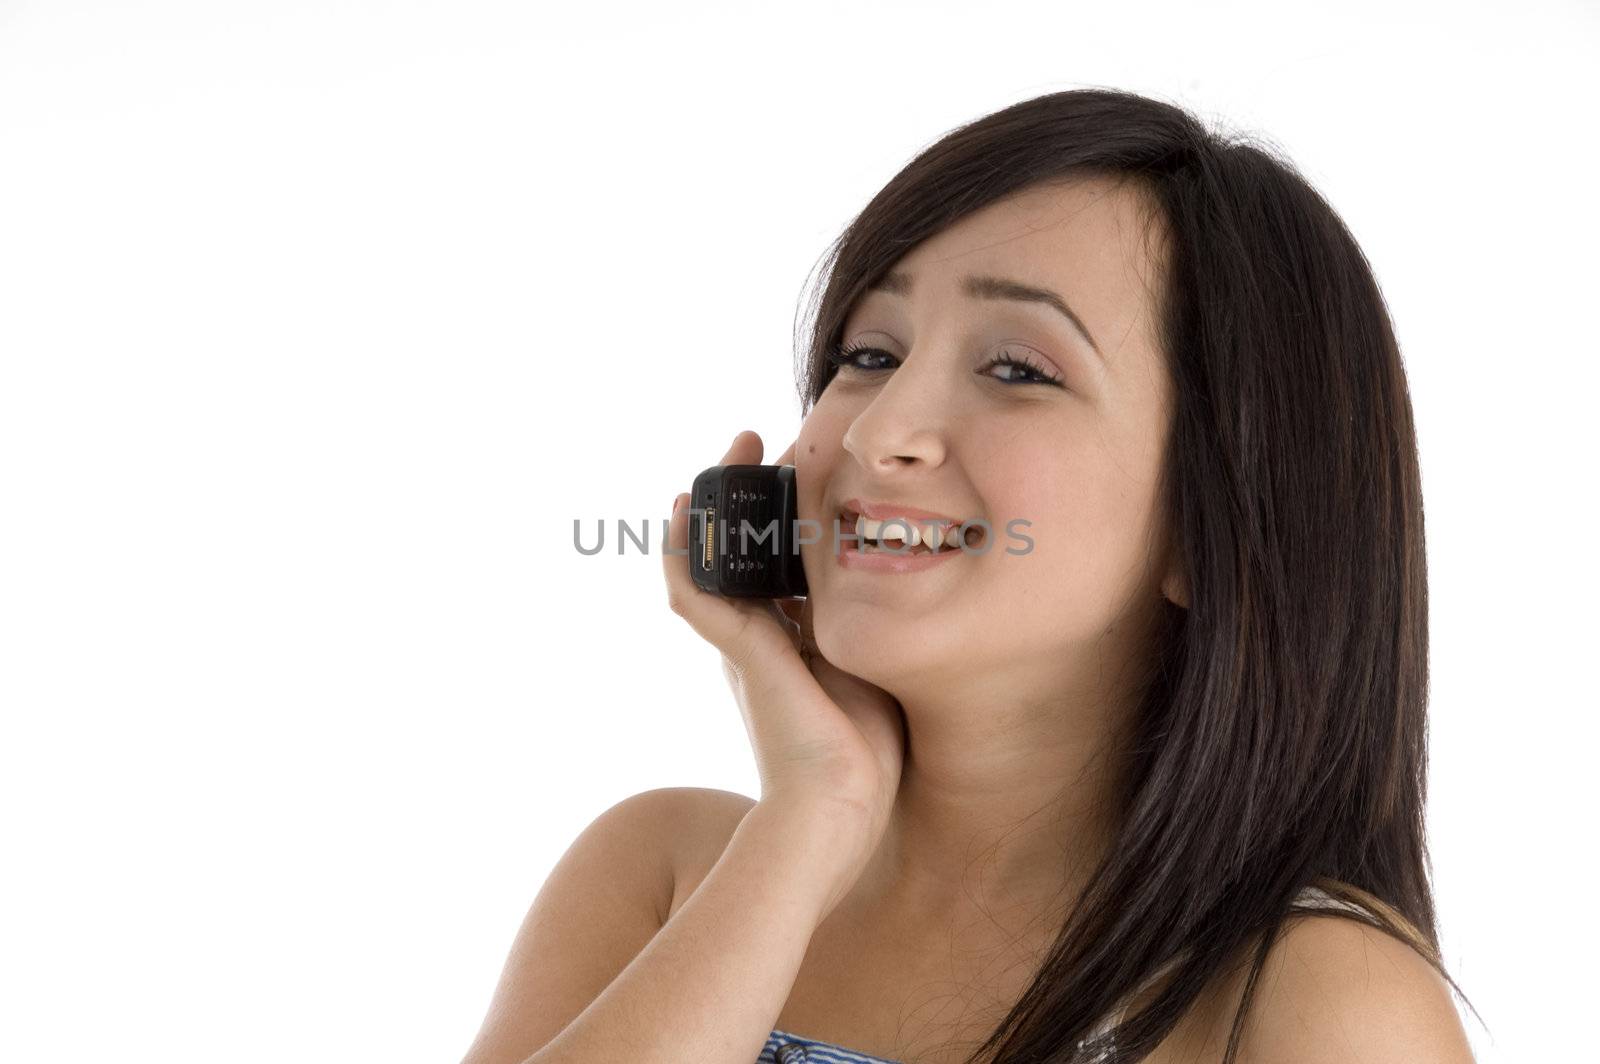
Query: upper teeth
906, 532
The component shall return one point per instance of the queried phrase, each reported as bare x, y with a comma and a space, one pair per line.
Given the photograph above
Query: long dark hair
1281, 740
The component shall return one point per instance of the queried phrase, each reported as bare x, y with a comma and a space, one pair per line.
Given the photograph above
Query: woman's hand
820, 735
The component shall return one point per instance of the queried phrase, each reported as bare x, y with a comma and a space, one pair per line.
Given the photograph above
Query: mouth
890, 536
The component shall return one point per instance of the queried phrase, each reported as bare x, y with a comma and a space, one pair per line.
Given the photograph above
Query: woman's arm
1337, 991
712, 982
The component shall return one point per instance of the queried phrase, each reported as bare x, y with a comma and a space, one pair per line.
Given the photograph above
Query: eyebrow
898, 283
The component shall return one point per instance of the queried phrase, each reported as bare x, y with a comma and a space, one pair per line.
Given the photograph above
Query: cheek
817, 450
824, 427
1089, 522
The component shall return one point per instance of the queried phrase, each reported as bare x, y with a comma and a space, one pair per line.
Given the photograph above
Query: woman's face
928, 420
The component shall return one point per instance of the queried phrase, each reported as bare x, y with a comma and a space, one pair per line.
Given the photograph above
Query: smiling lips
917, 529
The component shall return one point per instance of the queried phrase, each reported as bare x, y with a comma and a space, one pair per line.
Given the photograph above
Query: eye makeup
1024, 370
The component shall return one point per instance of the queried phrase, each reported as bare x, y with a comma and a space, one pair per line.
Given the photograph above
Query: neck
1007, 824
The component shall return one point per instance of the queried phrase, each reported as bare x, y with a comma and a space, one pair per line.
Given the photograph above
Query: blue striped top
784, 1047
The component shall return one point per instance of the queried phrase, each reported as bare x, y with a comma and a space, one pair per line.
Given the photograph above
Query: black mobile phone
743, 532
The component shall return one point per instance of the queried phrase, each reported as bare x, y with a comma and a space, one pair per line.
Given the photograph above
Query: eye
1033, 373
1022, 370
842, 357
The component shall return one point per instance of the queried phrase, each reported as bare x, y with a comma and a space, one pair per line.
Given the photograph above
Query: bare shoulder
705, 819
608, 896
1338, 991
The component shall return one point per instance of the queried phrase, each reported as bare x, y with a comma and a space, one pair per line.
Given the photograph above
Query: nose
903, 425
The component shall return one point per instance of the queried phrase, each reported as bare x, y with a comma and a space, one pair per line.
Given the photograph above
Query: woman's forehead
1084, 239
1091, 230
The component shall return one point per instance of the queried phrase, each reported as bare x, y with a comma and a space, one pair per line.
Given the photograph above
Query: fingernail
677, 503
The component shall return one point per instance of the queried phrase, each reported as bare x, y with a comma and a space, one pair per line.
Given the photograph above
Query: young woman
1135, 771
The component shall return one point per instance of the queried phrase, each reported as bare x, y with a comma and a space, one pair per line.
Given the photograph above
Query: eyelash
840, 357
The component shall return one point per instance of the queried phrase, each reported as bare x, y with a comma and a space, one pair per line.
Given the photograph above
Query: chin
883, 654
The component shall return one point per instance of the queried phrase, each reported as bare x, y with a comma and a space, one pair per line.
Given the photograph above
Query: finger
787, 457
788, 621
791, 608
746, 449
797, 613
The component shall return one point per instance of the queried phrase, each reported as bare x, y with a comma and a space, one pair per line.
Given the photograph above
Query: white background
320, 324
